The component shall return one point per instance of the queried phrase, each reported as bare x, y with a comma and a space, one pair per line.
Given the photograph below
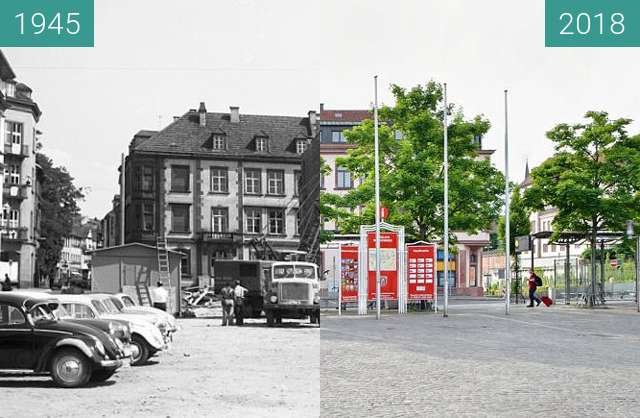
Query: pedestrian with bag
534, 282
6, 284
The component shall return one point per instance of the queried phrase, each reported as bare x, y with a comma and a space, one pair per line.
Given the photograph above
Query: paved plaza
558, 361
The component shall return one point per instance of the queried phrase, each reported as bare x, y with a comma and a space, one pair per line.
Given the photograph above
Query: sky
155, 59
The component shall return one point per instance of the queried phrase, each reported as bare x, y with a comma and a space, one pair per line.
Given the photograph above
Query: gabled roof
186, 136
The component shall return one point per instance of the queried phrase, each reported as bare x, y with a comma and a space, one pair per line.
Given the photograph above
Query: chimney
234, 114
202, 111
176, 118
321, 107
313, 122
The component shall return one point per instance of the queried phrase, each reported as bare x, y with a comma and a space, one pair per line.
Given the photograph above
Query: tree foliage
59, 205
411, 169
593, 178
519, 224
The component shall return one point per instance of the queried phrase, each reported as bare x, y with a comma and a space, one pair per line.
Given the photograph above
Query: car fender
45, 357
152, 338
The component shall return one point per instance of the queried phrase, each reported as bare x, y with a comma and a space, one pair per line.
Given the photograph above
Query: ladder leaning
163, 269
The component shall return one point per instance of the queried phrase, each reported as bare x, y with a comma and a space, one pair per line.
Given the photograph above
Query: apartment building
75, 256
18, 224
214, 184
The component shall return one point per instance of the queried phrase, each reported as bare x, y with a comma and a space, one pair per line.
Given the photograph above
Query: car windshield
116, 302
42, 312
293, 272
128, 302
99, 307
110, 306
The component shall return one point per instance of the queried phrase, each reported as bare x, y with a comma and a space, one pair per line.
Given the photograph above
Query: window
180, 218
297, 232
10, 218
147, 217
343, 179
218, 142
219, 219
254, 220
11, 89
10, 315
219, 180
185, 261
180, 178
12, 174
337, 137
296, 183
147, 179
275, 182
14, 133
276, 221
253, 181
321, 181
301, 146
261, 143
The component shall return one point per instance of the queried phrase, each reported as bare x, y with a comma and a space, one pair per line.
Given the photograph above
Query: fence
612, 283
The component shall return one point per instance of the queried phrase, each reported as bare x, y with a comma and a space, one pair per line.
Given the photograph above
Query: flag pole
377, 187
445, 310
507, 210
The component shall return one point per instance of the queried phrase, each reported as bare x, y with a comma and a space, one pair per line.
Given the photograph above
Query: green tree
411, 169
59, 205
592, 179
519, 224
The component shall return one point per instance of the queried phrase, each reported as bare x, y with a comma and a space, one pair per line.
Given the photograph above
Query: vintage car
127, 304
31, 338
146, 338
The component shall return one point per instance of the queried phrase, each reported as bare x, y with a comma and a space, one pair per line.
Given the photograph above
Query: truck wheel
70, 368
143, 350
102, 375
269, 315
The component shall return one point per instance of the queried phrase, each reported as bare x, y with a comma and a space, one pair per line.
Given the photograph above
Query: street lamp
630, 233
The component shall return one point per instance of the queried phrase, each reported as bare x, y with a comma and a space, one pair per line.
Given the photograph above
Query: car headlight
99, 346
273, 298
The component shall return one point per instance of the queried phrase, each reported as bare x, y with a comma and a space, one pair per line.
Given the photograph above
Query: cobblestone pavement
553, 362
213, 371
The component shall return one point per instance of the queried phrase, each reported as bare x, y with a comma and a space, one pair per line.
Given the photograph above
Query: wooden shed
117, 269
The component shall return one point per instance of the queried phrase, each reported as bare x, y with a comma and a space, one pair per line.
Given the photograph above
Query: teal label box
46, 23
592, 23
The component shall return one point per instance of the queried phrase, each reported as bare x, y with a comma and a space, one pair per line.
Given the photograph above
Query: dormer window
301, 146
218, 142
261, 144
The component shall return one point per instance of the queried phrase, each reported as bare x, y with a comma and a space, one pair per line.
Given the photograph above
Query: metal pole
638, 273
567, 277
122, 200
339, 281
377, 186
507, 255
445, 310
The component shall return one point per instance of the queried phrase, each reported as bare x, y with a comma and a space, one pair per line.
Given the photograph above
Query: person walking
239, 293
227, 296
534, 282
6, 284
160, 297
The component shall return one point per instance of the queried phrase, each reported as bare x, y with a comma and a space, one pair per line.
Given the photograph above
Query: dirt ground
210, 370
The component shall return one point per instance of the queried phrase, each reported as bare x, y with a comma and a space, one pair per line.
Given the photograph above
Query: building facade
75, 256
217, 186
18, 224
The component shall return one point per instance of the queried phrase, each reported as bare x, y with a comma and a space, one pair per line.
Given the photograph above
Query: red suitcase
546, 300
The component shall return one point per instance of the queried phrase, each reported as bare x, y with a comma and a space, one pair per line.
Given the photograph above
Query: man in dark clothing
533, 286
6, 284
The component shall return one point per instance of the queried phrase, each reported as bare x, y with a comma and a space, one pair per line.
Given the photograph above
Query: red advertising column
349, 272
388, 265
421, 272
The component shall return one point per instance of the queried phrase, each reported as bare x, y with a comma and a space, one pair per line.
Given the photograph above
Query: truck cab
293, 292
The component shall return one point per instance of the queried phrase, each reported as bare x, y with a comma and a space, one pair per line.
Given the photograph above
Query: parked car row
78, 338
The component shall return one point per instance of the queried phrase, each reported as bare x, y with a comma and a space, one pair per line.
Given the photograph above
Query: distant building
75, 256
18, 223
214, 184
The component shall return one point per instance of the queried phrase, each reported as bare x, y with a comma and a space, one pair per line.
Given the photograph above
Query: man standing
239, 293
6, 284
534, 282
160, 296
227, 295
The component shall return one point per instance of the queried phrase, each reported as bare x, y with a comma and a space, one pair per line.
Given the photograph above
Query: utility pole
445, 311
377, 186
122, 200
507, 232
